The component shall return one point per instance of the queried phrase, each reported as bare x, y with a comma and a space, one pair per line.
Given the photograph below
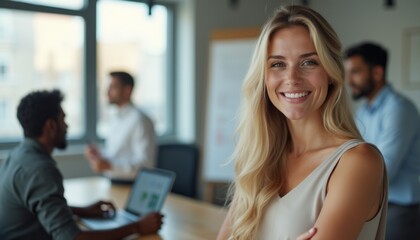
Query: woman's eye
277, 64
309, 63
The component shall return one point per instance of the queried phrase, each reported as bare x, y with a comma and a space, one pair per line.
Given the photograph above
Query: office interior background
73, 44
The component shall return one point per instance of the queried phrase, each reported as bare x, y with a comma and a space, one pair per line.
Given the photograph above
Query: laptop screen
149, 191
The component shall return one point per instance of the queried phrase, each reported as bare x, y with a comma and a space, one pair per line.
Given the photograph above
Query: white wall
216, 15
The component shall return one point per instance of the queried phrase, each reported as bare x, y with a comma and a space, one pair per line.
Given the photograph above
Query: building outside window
129, 39
43, 45
43, 56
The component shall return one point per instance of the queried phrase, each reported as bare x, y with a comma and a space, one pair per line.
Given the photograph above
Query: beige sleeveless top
289, 216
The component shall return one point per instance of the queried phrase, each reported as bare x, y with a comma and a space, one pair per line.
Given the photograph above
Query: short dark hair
125, 78
372, 53
36, 108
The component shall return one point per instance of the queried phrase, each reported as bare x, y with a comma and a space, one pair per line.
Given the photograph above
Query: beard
61, 142
363, 90
112, 101
61, 145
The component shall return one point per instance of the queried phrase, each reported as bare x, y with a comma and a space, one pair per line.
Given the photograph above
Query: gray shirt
32, 203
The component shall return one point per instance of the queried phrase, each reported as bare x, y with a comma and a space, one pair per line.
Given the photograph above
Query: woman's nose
293, 76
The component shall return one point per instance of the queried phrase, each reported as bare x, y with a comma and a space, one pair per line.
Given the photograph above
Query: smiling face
296, 82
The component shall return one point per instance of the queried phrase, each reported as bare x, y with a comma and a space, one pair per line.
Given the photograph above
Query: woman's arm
354, 194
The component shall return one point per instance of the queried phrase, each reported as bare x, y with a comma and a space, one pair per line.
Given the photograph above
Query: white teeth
295, 95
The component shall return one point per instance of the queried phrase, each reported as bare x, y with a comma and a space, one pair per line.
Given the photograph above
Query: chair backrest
183, 160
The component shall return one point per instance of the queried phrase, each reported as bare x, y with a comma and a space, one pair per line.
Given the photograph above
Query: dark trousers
403, 222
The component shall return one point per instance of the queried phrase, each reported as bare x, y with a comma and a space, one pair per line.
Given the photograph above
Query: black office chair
183, 160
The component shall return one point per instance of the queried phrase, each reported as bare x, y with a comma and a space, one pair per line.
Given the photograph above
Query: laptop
148, 194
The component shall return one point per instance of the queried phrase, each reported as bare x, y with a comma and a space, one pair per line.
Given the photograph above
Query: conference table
185, 218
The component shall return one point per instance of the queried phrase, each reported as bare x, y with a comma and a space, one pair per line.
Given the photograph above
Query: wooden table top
185, 218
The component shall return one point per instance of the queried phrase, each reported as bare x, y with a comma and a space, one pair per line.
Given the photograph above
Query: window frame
89, 15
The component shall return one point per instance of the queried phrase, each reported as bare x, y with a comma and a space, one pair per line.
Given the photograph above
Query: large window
46, 44
37, 54
131, 40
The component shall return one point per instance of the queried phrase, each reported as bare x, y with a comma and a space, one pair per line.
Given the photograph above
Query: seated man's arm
100, 209
42, 193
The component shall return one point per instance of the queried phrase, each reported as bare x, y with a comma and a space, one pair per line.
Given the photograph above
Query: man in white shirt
130, 143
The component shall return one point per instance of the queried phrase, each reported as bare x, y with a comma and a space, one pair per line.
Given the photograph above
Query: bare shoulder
354, 190
363, 161
364, 154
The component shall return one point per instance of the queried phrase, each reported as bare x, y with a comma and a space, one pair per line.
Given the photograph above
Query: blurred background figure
32, 203
130, 143
391, 122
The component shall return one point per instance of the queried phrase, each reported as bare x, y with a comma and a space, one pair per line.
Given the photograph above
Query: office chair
183, 160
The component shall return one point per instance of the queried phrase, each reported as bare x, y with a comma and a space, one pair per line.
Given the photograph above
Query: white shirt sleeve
131, 146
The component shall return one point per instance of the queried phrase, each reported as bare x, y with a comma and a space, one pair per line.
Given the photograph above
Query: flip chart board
230, 54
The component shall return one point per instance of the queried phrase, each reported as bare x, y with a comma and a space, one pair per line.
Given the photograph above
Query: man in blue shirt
391, 122
32, 203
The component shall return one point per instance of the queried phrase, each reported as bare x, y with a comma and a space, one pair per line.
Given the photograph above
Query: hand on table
150, 223
100, 209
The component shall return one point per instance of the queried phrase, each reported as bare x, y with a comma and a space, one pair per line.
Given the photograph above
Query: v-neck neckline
327, 160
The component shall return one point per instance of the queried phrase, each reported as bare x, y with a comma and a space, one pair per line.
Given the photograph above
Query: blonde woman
300, 161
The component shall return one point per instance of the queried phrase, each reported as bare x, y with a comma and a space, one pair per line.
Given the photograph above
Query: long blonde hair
263, 135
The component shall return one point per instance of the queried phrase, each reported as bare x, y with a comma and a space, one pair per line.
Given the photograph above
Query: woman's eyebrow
301, 56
